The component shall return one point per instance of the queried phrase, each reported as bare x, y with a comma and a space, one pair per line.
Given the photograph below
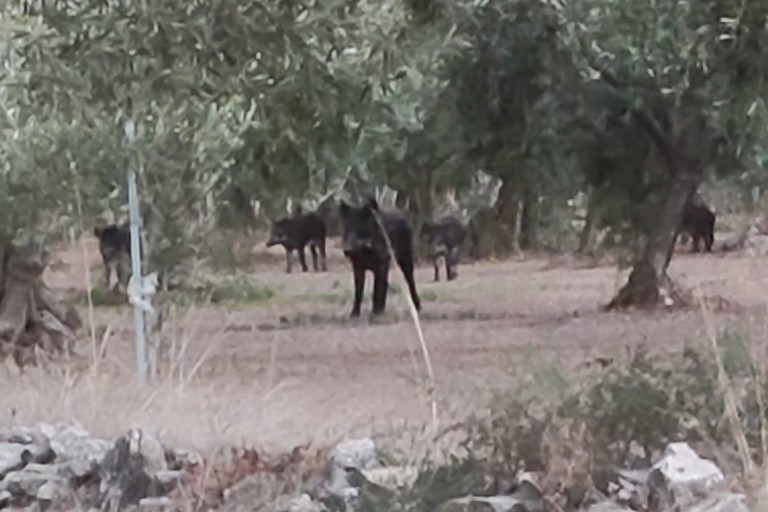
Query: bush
620, 416
231, 290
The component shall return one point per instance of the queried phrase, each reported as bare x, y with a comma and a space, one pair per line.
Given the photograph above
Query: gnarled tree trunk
422, 207
31, 317
587, 237
509, 208
529, 222
648, 282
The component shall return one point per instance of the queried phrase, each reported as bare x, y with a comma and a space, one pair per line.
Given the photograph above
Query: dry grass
755, 476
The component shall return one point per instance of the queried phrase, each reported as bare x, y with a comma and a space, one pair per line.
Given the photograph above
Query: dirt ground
294, 368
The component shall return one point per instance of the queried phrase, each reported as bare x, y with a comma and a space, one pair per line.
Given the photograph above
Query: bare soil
294, 368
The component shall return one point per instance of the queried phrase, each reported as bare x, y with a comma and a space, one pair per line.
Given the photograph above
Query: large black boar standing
366, 248
444, 239
295, 233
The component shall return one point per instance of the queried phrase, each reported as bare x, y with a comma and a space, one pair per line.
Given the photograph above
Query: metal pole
133, 213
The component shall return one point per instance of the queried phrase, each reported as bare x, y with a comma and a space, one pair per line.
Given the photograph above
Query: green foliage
272, 101
737, 360
239, 102
100, 297
647, 403
225, 291
640, 404
459, 477
665, 71
657, 400
434, 485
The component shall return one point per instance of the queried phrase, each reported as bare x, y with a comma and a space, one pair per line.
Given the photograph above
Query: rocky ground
62, 467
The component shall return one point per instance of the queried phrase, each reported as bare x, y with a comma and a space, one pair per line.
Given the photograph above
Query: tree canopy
236, 102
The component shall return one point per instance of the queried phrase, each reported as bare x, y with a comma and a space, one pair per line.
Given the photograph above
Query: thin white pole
133, 213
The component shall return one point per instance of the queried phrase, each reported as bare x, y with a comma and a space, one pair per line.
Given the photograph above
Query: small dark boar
699, 223
295, 233
444, 238
366, 248
115, 249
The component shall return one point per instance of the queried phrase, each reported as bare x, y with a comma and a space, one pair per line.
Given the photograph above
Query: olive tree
677, 90
234, 101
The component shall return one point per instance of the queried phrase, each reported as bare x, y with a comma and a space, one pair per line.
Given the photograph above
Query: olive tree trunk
509, 208
674, 131
422, 206
588, 236
32, 319
648, 282
529, 222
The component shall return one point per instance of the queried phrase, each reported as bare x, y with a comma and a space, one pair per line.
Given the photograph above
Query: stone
681, 477
727, 502
27, 434
79, 454
630, 487
41, 463
10, 457
484, 504
607, 506
528, 494
159, 502
525, 497
34, 507
150, 448
21, 435
369, 494
167, 480
356, 453
36, 445
5, 498
682, 466
342, 469
39, 453
124, 480
335, 481
51, 491
27, 481
303, 504
392, 477
64, 434
183, 458
168, 476
345, 499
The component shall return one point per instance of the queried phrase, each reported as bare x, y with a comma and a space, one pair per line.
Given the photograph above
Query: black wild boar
295, 233
366, 248
444, 238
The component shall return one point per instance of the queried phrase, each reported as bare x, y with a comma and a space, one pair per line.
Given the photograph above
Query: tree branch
646, 120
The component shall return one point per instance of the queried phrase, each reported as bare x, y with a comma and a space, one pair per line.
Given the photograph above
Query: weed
231, 290
616, 417
99, 296
429, 296
459, 476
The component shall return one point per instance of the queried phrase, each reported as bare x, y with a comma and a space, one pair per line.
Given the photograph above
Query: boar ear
343, 208
372, 204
